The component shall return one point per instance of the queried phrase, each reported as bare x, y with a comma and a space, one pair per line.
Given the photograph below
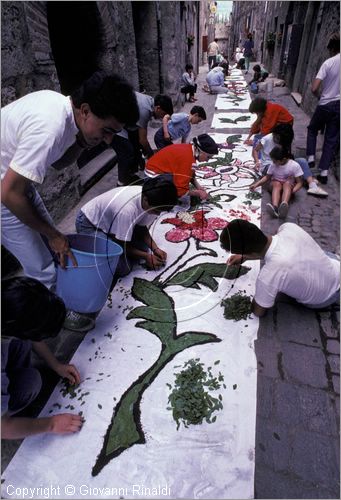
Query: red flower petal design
205, 234
216, 223
178, 235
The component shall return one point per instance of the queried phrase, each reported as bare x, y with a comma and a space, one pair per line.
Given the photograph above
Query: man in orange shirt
269, 114
179, 159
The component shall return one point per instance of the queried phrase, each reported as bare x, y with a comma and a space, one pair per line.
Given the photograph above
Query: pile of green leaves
190, 400
253, 195
237, 307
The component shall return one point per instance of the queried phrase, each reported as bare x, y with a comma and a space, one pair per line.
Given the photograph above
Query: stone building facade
290, 39
56, 45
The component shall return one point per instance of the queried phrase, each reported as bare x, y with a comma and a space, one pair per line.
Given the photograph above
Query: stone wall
301, 31
26, 62
56, 45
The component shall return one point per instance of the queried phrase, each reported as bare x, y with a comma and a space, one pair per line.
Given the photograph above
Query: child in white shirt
286, 179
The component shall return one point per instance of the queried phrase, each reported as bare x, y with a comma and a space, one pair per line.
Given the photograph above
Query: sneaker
78, 322
283, 210
322, 178
317, 191
272, 210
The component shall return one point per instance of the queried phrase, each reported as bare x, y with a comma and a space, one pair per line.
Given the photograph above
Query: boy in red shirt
269, 114
178, 160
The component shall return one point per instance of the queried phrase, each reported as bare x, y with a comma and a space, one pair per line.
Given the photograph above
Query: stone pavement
297, 429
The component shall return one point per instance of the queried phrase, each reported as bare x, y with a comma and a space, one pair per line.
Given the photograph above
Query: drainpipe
159, 44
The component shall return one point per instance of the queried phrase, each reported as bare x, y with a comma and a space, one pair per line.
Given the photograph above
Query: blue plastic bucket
85, 288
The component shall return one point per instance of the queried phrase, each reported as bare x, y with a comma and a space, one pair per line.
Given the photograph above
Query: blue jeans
125, 263
247, 61
160, 141
325, 117
304, 166
26, 244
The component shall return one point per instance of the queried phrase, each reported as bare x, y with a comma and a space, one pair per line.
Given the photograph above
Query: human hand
160, 253
60, 245
166, 119
248, 141
203, 195
233, 260
252, 187
69, 372
154, 262
66, 423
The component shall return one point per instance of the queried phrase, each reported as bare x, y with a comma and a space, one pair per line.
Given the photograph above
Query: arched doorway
76, 41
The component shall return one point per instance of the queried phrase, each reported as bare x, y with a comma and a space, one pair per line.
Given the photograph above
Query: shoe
323, 179
311, 164
283, 210
78, 322
192, 99
317, 191
272, 210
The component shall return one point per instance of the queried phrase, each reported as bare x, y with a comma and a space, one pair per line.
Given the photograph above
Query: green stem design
159, 318
125, 429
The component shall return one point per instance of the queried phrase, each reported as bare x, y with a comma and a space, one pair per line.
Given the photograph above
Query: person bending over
30, 314
179, 161
294, 264
178, 126
124, 214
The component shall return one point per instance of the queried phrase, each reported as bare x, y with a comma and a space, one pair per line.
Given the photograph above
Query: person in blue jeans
178, 126
327, 114
248, 51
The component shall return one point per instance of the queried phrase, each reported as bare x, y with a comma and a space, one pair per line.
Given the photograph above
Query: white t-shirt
297, 266
36, 130
268, 144
284, 172
213, 49
118, 211
329, 73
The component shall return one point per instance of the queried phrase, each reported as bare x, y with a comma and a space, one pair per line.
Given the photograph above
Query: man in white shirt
212, 52
124, 214
46, 128
327, 114
294, 264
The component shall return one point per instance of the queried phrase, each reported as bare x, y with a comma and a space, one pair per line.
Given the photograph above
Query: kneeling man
294, 264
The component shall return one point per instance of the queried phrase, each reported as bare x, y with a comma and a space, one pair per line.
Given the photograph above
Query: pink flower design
194, 225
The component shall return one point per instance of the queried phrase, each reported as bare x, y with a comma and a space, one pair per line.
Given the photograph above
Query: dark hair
286, 133
249, 35
29, 310
205, 143
188, 66
215, 65
108, 95
216, 39
278, 153
258, 105
334, 42
200, 110
242, 237
256, 68
165, 103
160, 192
